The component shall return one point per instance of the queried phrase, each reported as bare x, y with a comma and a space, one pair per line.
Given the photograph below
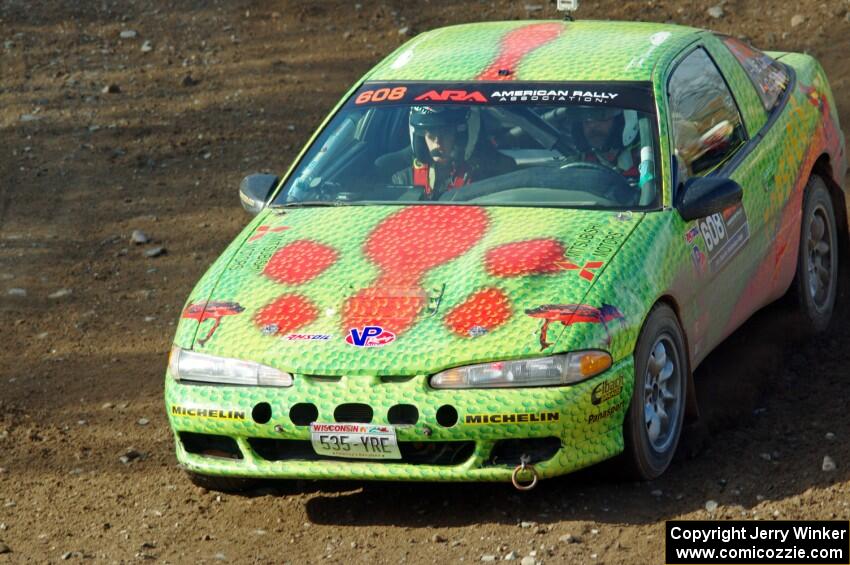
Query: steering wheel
619, 190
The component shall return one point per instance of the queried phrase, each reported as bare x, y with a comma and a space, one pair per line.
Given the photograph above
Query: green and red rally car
503, 254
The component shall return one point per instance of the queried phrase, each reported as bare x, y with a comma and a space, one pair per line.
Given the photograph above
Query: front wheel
654, 419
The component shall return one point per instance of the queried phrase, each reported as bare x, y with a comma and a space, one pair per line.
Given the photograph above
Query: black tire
815, 285
222, 484
650, 438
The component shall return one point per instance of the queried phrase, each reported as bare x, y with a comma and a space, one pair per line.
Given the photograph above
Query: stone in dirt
488, 558
139, 237
61, 293
147, 46
828, 464
155, 252
798, 20
128, 34
716, 12
111, 89
21, 292
527, 560
711, 505
131, 455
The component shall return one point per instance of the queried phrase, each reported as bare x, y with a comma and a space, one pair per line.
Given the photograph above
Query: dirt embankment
122, 116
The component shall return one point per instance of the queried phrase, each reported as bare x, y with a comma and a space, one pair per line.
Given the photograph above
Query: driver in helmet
610, 137
446, 155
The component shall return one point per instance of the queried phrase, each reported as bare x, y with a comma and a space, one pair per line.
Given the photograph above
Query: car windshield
577, 145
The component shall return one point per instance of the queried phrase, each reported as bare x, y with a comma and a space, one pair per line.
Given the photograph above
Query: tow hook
524, 467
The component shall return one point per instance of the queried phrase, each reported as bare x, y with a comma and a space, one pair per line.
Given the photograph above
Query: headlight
562, 369
198, 367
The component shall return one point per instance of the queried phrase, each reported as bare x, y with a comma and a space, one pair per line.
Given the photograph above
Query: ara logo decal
451, 96
369, 336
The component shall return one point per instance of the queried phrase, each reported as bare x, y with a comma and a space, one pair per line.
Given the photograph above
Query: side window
707, 127
769, 77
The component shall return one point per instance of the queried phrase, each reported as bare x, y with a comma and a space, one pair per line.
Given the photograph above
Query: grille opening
403, 414
303, 413
443, 453
324, 378
447, 416
262, 413
509, 451
210, 445
353, 413
396, 379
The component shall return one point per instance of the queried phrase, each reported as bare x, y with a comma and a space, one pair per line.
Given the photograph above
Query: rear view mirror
254, 191
704, 196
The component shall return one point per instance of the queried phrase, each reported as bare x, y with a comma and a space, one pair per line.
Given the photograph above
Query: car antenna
568, 7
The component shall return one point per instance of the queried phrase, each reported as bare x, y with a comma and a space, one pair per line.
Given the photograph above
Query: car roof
536, 51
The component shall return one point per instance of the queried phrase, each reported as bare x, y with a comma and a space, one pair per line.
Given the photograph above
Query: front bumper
562, 428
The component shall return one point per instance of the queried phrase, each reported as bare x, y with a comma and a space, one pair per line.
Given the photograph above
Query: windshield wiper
310, 203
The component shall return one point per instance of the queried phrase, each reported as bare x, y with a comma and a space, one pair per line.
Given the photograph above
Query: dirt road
120, 116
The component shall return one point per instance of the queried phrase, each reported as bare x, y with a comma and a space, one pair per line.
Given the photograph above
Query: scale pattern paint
460, 285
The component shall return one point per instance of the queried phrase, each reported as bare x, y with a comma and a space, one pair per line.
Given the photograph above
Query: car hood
403, 290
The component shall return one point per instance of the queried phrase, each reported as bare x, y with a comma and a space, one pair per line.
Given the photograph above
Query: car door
710, 137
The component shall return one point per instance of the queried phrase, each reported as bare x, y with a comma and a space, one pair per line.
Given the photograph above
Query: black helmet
624, 128
461, 120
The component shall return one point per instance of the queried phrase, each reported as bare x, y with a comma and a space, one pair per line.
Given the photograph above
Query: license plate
356, 441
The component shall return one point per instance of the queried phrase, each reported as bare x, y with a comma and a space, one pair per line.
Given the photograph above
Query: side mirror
254, 191
704, 196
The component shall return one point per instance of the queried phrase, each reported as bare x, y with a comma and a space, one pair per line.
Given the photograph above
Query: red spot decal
486, 309
533, 257
516, 45
379, 306
405, 246
299, 262
285, 314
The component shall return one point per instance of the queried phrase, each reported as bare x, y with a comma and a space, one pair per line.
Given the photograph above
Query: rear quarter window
768, 75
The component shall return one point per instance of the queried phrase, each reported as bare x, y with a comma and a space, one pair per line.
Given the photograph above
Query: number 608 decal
381, 94
713, 230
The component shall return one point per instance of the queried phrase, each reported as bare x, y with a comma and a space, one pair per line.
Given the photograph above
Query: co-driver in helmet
446, 152
611, 137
